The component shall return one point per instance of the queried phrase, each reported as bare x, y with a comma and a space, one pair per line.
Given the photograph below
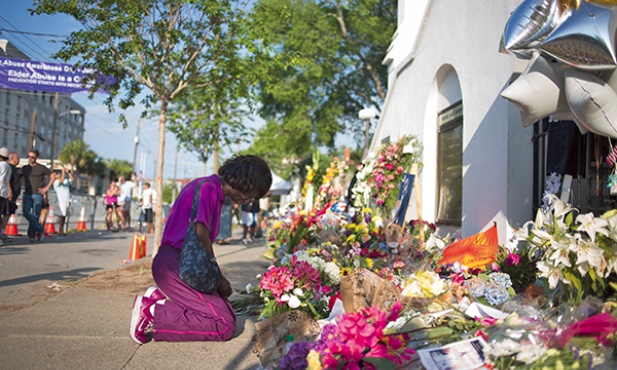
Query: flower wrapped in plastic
575, 255
294, 285
356, 341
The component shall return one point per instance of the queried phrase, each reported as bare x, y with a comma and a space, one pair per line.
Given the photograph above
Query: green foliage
168, 192
153, 49
119, 167
322, 63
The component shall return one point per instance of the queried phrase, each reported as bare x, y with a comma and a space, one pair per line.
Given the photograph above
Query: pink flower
390, 166
277, 280
379, 201
513, 259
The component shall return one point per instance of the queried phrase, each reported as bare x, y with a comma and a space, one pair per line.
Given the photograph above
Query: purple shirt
208, 210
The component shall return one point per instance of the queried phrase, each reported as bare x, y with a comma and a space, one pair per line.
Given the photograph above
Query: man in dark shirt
15, 184
36, 178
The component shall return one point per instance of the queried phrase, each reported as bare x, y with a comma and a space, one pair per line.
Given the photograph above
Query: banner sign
20, 74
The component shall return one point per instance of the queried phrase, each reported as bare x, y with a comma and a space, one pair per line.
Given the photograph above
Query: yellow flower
277, 225
345, 271
351, 238
350, 226
369, 263
313, 360
361, 228
367, 210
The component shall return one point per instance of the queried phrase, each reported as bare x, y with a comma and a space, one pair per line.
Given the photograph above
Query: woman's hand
225, 288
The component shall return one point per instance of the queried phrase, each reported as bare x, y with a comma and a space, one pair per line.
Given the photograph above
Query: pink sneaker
154, 294
141, 319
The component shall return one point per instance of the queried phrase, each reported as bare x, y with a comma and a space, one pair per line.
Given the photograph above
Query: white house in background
480, 164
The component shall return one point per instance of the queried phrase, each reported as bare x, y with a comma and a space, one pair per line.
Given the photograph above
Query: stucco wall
463, 36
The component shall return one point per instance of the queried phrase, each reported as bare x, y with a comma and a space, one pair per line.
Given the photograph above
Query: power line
29, 39
34, 33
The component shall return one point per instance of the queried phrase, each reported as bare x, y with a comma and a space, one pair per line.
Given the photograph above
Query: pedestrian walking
110, 201
15, 184
174, 311
5, 184
36, 183
62, 187
147, 201
249, 220
125, 199
226, 216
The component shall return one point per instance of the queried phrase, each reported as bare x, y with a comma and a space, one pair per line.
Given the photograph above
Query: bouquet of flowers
332, 186
383, 172
304, 281
575, 256
356, 341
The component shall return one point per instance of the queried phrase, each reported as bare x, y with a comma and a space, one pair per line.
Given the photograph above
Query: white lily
592, 225
552, 273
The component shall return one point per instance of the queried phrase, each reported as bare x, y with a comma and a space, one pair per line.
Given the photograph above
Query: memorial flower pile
406, 289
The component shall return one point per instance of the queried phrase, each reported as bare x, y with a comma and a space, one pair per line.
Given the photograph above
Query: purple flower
513, 259
295, 359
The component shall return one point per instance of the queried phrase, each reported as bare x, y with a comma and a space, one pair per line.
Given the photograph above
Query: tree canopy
324, 64
153, 49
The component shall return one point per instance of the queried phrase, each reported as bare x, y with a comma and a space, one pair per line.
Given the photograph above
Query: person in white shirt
5, 188
62, 187
147, 201
125, 199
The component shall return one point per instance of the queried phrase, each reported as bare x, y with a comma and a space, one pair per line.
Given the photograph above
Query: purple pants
188, 315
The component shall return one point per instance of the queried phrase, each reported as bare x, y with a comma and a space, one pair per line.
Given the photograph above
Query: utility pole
32, 123
53, 130
136, 145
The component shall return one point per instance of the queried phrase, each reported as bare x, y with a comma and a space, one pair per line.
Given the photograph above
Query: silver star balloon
530, 23
586, 39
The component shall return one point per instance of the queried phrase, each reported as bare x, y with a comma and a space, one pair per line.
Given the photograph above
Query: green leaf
574, 280
380, 363
569, 219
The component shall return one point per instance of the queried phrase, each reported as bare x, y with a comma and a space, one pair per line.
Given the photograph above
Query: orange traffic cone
11, 227
81, 224
50, 227
137, 247
143, 245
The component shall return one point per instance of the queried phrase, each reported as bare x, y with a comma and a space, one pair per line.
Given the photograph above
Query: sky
103, 133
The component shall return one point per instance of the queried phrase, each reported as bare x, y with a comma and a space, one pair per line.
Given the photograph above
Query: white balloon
593, 102
530, 23
538, 92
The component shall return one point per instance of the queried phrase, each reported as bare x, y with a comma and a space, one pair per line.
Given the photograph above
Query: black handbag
198, 268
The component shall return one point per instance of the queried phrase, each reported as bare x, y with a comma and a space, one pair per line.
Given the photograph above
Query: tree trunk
158, 224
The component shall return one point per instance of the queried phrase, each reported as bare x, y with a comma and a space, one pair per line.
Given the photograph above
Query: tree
162, 46
324, 61
119, 167
81, 158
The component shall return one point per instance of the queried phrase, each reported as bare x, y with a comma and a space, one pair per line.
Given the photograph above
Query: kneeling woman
175, 312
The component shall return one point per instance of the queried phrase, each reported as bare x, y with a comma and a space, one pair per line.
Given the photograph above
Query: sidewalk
86, 324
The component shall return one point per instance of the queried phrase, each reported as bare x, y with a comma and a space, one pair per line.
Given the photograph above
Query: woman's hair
248, 174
